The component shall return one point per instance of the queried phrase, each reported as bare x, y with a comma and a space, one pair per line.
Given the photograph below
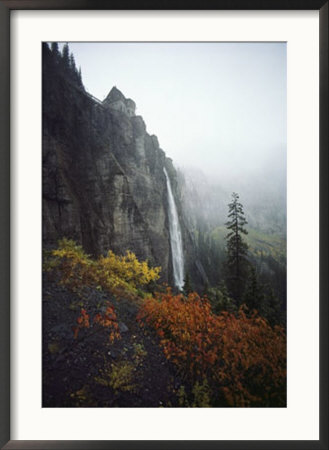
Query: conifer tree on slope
66, 57
254, 296
55, 51
236, 250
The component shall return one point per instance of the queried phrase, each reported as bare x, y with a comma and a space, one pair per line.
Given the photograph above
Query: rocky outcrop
103, 179
117, 101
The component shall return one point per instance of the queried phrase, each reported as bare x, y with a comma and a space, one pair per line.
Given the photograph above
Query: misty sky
220, 107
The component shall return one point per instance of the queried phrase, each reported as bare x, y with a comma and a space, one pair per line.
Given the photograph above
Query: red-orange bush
82, 322
108, 320
187, 329
252, 366
243, 357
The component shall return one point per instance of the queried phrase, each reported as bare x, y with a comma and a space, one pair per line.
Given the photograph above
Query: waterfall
175, 238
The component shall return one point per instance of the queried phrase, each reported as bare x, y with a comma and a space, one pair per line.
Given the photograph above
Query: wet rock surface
103, 179
73, 369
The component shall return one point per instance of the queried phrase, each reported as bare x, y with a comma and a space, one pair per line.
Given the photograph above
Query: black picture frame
6, 6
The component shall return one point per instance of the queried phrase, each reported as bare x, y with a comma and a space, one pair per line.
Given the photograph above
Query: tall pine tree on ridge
236, 249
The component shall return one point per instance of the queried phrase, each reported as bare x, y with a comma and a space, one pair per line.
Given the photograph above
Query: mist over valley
164, 225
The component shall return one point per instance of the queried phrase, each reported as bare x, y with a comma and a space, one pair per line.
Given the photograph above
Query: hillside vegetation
259, 243
113, 337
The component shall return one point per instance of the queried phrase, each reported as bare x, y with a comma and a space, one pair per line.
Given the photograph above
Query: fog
216, 106
219, 108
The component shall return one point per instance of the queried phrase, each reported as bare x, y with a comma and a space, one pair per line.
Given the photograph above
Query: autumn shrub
117, 376
112, 273
139, 354
242, 357
125, 269
107, 319
252, 366
199, 397
82, 322
71, 264
187, 329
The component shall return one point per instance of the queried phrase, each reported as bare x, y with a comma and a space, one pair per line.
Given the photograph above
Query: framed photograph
164, 269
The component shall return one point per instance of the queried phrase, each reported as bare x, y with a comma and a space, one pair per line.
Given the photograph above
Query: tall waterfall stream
175, 238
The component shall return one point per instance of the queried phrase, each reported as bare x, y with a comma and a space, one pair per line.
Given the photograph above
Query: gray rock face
103, 180
117, 101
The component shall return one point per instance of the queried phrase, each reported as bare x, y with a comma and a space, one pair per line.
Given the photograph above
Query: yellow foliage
125, 270
200, 397
139, 353
117, 376
78, 270
201, 394
182, 397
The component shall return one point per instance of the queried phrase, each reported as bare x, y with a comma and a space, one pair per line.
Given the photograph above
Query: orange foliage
82, 322
107, 320
243, 357
186, 327
253, 360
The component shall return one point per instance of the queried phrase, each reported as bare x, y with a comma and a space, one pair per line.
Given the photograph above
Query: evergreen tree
253, 296
187, 288
272, 308
236, 249
55, 50
46, 52
220, 300
74, 71
66, 57
72, 63
80, 78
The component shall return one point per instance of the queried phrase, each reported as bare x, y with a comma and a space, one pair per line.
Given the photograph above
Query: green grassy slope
259, 243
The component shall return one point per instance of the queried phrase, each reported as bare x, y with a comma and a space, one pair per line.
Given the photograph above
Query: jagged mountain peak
114, 95
117, 101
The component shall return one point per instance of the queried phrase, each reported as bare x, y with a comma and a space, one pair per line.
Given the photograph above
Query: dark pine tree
220, 300
74, 71
66, 57
80, 78
254, 295
55, 51
46, 52
72, 63
236, 250
273, 308
187, 288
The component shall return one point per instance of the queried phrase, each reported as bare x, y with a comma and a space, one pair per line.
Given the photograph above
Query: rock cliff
103, 179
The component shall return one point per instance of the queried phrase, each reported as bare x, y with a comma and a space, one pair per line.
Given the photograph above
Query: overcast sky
218, 106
